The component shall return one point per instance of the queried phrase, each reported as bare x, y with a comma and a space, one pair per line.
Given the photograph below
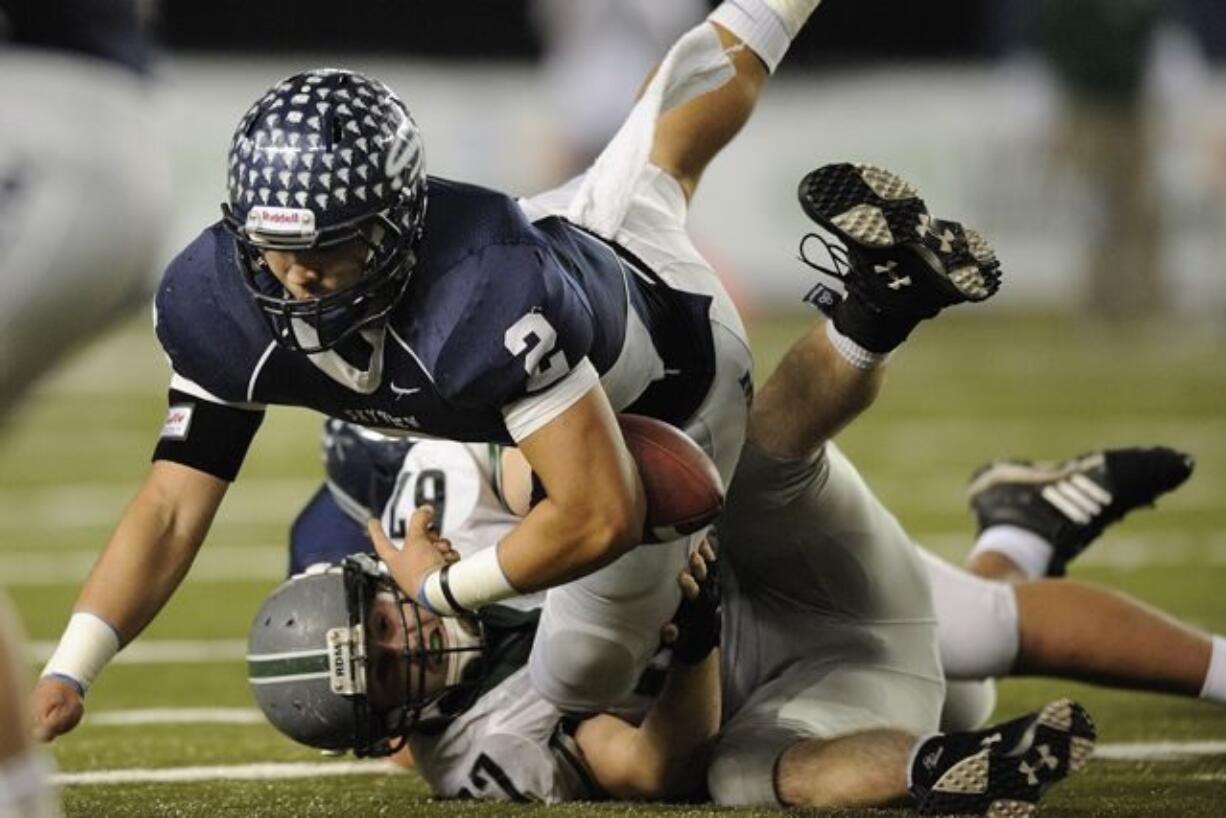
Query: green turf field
968, 388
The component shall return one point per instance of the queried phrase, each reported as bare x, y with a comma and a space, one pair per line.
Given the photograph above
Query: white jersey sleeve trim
259, 366
525, 416
182, 384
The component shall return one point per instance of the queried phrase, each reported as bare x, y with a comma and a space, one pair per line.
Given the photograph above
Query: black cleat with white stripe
1070, 502
898, 264
1003, 771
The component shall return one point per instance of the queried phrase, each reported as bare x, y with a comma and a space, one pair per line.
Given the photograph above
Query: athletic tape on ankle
1214, 688
88, 643
853, 353
467, 585
758, 26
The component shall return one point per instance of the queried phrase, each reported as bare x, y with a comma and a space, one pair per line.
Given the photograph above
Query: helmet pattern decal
327, 140
323, 158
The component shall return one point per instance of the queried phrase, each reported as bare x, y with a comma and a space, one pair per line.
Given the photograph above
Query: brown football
683, 488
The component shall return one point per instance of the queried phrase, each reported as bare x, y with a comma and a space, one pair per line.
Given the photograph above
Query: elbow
660, 781
614, 531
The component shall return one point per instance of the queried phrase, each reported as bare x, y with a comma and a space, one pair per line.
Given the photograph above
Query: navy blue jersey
498, 313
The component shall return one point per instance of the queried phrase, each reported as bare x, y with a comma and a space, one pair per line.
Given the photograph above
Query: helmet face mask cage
322, 158
313, 325
338, 702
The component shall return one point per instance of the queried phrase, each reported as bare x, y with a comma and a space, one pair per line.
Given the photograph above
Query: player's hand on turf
695, 629
56, 706
424, 551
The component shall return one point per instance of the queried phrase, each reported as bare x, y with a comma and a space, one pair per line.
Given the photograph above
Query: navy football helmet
323, 158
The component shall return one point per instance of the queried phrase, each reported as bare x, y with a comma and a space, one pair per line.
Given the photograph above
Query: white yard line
1139, 751
238, 563
216, 563
172, 715
1159, 750
88, 505
161, 651
229, 772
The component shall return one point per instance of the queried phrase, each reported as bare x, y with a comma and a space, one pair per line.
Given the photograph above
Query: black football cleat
897, 261
1070, 502
1003, 771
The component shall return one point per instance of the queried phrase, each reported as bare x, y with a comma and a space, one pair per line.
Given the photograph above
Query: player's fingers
421, 524
443, 545
689, 587
451, 556
707, 551
669, 633
698, 566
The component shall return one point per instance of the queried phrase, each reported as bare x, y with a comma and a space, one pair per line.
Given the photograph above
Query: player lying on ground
1043, 627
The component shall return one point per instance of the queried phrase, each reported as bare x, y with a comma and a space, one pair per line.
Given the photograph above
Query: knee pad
580, 671
977, 621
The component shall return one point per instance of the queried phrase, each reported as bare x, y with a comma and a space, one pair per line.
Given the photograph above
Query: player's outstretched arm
147, 557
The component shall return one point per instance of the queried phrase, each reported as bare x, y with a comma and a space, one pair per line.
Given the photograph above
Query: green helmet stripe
309, 664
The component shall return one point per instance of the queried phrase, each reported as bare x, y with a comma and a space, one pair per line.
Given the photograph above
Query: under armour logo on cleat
1046, 759
988, 741
947, 241
895, 282
933, 759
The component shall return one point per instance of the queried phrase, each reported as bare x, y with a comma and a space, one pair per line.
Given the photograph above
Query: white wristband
467, 585
87, 645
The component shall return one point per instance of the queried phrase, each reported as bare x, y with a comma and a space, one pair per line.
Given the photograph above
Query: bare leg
812, 394
688, 137
1078, 631
866, 769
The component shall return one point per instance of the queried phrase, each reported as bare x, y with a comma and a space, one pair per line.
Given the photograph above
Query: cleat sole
873, 209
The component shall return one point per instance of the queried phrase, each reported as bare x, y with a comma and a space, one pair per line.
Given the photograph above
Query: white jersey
511, 745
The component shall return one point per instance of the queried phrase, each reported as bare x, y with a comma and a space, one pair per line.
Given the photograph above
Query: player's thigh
813, 700
598, 633
809, 530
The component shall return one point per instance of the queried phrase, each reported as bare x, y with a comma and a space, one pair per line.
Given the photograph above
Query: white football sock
1215, 680
1027, 550
853, 353
766, 26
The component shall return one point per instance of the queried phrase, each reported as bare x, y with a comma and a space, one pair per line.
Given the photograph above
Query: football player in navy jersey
81, 201
343, 279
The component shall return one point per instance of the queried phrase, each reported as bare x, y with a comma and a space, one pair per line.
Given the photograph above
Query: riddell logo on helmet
281, 220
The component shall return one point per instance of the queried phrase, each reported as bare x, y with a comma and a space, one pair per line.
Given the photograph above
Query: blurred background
1085, 138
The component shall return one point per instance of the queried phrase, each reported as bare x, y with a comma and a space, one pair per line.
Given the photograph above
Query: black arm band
444, 584
207, 436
